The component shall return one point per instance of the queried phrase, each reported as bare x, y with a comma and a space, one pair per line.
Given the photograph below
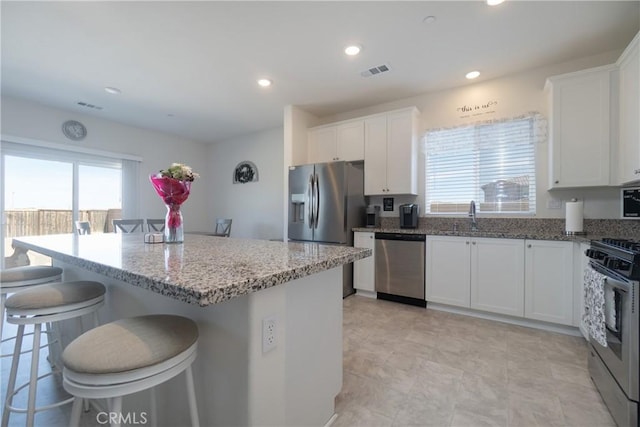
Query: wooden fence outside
36, 222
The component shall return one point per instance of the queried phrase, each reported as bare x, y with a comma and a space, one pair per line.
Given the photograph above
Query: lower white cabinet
480, 273
364, 269
549, 286
497, 275
447, 270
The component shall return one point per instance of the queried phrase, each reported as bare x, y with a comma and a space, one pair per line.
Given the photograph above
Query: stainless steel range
615, 368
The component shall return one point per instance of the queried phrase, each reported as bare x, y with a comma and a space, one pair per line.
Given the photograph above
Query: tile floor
407, 366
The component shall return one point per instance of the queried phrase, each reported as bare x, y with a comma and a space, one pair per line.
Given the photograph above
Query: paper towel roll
573, 222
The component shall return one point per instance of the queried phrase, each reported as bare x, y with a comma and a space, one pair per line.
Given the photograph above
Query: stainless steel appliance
399, 272
615, 368
326, 201
373, 216
409, 215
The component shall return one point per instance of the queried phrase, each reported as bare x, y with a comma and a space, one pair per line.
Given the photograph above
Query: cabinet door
447, 270
322, 145
375, 155
497, 275
401, 153
549, 281
629, 137
350, 141
364, 269
580, 129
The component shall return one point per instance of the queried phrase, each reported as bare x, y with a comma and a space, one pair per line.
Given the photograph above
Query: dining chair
155, 225
83, 227
128, 226
223, 227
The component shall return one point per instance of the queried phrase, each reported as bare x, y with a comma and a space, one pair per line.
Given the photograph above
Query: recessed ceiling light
112, 90
472, 74
352, 50
494, 2
264, 82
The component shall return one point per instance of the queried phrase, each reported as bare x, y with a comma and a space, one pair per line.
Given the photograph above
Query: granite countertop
203, 270
534, 235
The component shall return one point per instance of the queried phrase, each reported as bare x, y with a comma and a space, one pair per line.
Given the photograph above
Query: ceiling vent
374, 71
86, 105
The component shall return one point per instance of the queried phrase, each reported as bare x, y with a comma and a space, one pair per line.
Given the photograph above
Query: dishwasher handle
401, 236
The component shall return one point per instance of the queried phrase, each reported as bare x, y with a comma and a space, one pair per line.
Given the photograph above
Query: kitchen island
229, 287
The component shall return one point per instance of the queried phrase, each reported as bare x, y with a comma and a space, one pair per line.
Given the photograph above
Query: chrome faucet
472, 215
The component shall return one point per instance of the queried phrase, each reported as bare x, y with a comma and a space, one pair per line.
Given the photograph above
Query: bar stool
35, 306
127, 356
19, 278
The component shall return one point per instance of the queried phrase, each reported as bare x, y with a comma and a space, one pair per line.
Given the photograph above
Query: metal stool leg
116, 408
12, 376
33, 383
76, 412
191, 392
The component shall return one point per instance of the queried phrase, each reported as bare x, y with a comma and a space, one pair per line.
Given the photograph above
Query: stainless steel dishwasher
399, 260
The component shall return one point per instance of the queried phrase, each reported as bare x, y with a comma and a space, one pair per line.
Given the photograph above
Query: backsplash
601, 227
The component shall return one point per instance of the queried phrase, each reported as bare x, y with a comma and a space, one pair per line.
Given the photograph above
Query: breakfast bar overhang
229, 287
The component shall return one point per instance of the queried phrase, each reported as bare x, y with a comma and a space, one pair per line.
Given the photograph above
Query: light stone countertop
203, 270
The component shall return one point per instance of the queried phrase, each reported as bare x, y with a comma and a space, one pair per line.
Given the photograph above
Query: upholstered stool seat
15, 279
39, 305
127, 356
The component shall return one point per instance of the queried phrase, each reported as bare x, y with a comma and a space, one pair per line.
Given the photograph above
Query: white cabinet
364, 269
629, 114
448, 270
344, 141
485, 274
580, 128
497, 275
549, 286
390, 153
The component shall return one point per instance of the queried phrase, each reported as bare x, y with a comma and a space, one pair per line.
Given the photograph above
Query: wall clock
245, 172
74, 130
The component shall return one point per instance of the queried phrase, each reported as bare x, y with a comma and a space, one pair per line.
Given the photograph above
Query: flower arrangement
173, 185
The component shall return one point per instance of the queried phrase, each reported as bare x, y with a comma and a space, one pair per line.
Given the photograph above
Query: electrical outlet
268, 333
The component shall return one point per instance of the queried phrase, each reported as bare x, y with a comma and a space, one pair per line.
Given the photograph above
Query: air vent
86, 105
375, 70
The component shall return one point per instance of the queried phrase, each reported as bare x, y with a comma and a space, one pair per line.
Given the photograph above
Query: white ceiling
199, 61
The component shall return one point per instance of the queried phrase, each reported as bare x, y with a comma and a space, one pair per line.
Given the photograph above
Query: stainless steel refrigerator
326, 201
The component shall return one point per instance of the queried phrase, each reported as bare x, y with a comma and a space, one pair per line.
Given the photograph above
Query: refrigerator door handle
317, 201
310, 200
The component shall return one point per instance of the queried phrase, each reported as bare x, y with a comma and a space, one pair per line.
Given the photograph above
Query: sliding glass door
49, 192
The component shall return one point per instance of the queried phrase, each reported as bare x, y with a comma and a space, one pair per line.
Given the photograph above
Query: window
490, 163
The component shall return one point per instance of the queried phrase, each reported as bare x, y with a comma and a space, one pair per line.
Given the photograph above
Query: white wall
256, 207
30, 120
515, 95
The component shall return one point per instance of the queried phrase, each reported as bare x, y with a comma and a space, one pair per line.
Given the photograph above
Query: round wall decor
74, 130
245, 172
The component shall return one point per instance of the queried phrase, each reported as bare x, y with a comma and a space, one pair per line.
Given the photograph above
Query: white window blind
490, 163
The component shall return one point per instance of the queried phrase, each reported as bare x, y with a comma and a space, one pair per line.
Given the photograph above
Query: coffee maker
373, 216
409, 215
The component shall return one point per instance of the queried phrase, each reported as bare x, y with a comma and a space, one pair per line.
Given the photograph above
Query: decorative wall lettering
477, 109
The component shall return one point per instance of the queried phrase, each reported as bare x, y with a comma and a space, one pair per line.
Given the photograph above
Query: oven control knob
612, 263
594, 253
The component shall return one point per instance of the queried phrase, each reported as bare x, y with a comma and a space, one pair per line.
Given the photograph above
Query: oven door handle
612, 278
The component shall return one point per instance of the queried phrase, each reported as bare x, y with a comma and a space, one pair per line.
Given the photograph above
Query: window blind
491, 163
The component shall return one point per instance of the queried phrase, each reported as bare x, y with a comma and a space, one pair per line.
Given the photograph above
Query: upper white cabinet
390, 153
580, 128
549, 286
343, 141
480, 273
364, 269
629, 114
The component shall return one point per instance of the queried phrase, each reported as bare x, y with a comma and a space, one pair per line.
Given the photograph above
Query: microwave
631, 203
